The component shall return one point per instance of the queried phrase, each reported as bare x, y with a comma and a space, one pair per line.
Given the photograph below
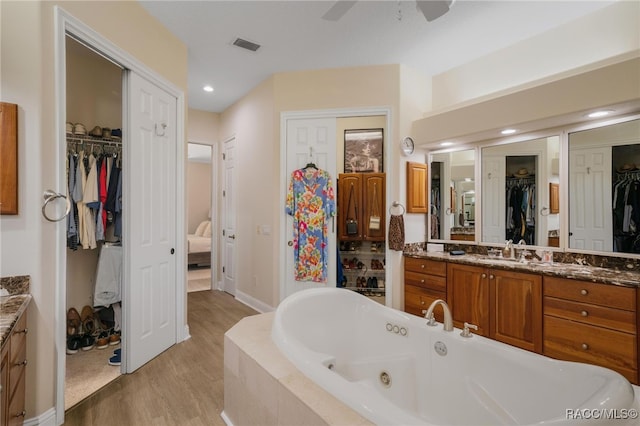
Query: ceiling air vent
245, 44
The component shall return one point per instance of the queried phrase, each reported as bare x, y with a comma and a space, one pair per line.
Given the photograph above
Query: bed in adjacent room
199, 245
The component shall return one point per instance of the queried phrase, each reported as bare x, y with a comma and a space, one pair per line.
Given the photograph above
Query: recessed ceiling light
598, 114
208, 88
508, 131
446, 143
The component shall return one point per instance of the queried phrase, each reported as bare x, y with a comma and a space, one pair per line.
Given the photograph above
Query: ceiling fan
431, 9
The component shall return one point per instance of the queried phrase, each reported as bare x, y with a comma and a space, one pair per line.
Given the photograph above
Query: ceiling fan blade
433, 9
338, 9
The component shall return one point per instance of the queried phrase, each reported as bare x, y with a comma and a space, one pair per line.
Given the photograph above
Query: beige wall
28, 242
603, 34
203, 127
198, 193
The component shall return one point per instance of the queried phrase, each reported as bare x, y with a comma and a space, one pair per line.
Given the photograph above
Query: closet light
508, 131
598, 114
208, 88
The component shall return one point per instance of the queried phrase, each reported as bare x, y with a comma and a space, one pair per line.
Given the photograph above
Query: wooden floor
182, 386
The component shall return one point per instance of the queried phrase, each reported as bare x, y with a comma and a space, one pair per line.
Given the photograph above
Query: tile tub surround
262, 387
12, 306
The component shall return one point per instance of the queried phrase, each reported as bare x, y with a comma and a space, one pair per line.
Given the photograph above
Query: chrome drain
385, 379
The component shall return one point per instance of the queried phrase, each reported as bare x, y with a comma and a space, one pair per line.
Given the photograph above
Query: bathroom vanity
569, 312
13, 342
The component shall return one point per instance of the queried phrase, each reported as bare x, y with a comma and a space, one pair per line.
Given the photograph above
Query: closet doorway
152, 117
94, 144
200, 223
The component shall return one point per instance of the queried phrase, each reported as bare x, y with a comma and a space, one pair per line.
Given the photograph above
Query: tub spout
448, 320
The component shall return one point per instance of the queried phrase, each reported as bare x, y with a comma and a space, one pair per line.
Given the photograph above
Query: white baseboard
186, 335
226, 419
48, 418
252, 302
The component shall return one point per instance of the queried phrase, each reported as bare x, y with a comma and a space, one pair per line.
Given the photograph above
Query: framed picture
363, 151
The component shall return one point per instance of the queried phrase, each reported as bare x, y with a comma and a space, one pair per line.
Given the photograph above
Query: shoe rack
363, 266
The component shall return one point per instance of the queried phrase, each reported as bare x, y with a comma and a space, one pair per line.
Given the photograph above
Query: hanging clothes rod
90, 139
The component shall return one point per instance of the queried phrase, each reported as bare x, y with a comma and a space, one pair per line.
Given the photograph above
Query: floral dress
311, 202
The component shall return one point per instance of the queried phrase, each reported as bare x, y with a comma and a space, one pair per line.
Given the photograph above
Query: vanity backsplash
607, 262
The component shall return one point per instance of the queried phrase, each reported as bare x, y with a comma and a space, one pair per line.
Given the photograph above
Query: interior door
493, 199
310, 140
150, 317
229, 218
590, 202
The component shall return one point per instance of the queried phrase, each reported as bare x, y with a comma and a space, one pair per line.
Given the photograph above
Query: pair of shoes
106, 132
69, 127
116, 133
102, 341
73, 322
87, 342
116, 359
73, 344
114, 337
88, 320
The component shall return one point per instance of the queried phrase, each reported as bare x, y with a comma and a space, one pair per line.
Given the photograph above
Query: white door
493, 199
590, 202
150, 314
310, 140
229, 218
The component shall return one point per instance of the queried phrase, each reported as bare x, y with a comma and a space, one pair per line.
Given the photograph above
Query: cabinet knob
17, 364
422, 281
25, 331
584, 292
484, 275
21, 414
491, 276
584, 313
422, 266
585, 346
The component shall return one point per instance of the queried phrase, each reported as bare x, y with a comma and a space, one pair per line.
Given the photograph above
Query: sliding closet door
151, 310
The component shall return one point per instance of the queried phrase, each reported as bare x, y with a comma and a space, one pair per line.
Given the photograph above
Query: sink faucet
448, 320
508, 249
522, 252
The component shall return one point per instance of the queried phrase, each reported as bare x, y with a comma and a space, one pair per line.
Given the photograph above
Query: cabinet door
9, 155
516, 309
4, 382
417, 200
349, 186
373, 200
468, 296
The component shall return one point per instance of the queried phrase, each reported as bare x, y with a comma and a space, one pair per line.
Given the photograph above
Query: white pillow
200, 229
207, 230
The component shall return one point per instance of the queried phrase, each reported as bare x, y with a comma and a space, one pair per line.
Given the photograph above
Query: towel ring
49, 196
396, 204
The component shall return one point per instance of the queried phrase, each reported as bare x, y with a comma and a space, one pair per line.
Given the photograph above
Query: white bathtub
349, 345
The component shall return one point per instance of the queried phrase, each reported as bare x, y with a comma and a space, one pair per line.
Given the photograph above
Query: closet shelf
91, 139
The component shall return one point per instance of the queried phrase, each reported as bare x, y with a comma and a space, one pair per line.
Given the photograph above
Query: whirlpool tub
393, 369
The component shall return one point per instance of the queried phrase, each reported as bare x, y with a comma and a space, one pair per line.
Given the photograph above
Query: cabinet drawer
586, 343
17, 369
432, 267
432, 282
417, 299
596, 294
600, 316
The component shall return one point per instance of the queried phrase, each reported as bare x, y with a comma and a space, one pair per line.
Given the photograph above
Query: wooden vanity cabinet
592, 323
505, 305
13, 365
424, 281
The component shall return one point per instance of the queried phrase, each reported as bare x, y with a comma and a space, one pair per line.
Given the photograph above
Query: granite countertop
13, 304
562, 270
459, 230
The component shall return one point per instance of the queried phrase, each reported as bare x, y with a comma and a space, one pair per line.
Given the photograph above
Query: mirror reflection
453, 199
516, 196
604, 184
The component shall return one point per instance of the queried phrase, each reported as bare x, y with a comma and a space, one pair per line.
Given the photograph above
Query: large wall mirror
516, 202
453, 196
604, 188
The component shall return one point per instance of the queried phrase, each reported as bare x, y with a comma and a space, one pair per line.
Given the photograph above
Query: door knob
233, 237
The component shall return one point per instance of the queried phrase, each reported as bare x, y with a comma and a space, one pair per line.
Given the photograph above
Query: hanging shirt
311, 202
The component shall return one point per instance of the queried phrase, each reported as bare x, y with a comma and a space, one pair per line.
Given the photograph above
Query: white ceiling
294, 37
